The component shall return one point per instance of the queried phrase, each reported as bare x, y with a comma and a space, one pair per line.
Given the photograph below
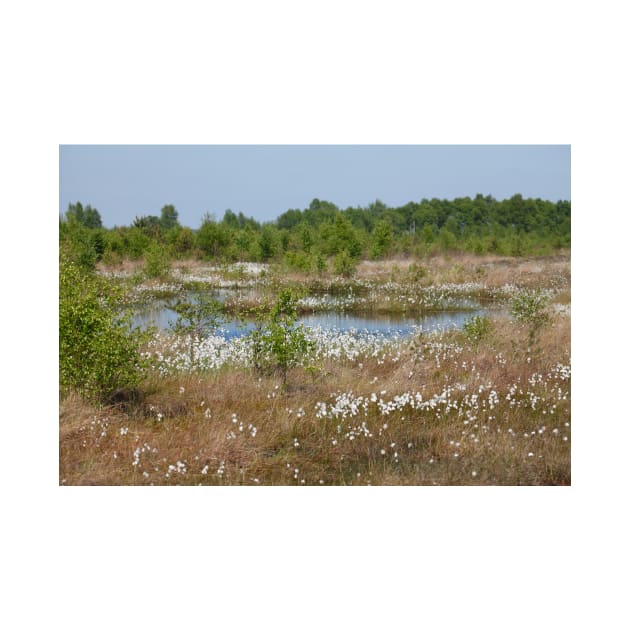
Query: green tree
156, 261
212, 237
98, 349
320, 263
243, 241
382, 237
168, 218
268, 242
281, 343
80, 244
185, 241
307, 240
196, 320
448, 240
149, 225
344, 264
136, 242
428, 233
529, 307
88, 217
230, 219
340, 235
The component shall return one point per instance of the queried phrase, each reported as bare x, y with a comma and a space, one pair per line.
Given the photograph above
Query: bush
345, 265
196, 319
298, 261
320, 264
278, 342
98, 350
529, 307
156, 261
78, 244
476, 328
416, 272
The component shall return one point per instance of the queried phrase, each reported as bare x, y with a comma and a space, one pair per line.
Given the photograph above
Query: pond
158, 314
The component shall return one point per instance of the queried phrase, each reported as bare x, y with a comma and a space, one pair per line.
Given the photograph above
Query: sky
263, 181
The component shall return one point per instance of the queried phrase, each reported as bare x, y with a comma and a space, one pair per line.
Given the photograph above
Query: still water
159, 315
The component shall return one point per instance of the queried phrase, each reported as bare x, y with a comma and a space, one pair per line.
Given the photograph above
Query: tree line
309, 239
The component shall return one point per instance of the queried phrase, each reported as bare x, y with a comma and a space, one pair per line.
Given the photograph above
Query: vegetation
98, 351
432, 410
286, 404
195, 320
280, 343
477, 328
306, 239
530, 308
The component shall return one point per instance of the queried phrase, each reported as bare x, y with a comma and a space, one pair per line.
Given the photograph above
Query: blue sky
263, 181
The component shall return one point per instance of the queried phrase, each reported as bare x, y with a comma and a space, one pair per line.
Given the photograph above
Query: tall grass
433, 410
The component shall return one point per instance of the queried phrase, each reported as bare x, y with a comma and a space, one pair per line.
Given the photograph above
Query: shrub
529, 307
278, 342
156, 261
98, 350
298, 261
320, 264
78, 244
196, 319
416, 272
345, 265
476, 328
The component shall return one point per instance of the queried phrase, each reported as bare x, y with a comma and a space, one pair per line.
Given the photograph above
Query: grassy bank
396, 286
444, 409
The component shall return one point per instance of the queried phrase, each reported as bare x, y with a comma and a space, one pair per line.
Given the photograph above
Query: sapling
196, 319
476, 328
529, 307
278, 341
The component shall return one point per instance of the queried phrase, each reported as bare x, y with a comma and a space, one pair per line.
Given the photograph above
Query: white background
324, 72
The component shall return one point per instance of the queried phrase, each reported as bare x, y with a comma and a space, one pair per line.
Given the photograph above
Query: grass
492, 412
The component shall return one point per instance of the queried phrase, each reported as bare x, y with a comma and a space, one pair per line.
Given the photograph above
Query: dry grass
493, 271
236, 427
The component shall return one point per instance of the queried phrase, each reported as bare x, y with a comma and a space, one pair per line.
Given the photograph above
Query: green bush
476, 328
156, 261
279, 343
345, 265
298, 261
80, 244
529, 307
98, 350
320, 264
196, 319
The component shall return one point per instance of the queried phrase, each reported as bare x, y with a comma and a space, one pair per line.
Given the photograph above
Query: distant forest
305, 239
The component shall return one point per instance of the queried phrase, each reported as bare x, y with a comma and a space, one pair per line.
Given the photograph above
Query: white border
348, 72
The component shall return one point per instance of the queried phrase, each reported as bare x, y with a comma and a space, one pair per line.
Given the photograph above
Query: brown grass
425, 441
493, 271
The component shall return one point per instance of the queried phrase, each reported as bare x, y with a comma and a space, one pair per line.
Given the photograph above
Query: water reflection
159, 315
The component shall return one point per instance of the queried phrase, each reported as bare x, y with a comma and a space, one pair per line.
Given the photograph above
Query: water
159, 315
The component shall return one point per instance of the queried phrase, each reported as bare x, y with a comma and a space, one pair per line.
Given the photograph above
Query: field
487, 404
